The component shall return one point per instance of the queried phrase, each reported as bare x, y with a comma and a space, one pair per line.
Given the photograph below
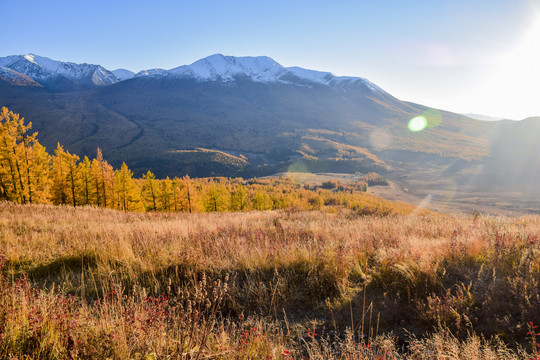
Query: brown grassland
337, 283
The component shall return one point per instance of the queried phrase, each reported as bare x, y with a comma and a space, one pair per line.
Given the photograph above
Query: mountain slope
250, 116
12, 77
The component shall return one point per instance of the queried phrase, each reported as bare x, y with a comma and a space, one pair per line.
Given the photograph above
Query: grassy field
89, 283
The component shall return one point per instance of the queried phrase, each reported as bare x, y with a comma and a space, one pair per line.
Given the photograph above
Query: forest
29, 174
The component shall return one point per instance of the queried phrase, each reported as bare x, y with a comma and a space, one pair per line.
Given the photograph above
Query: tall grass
97, 283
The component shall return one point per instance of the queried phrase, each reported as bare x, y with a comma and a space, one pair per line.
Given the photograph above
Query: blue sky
463, 56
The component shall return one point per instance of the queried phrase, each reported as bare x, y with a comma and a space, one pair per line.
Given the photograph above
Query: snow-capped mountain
123, 74
260, 69
218, 68
49, 72
226, 68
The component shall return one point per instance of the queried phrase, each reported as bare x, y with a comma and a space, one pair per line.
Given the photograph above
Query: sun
515, 82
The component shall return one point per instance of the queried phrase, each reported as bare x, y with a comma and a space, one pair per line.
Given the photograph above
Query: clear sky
480, 56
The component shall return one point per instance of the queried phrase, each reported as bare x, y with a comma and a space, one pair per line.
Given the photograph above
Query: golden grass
129, 283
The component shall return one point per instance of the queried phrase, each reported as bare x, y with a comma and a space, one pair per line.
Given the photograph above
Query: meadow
335, 283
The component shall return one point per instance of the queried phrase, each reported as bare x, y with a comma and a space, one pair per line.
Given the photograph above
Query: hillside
252, 117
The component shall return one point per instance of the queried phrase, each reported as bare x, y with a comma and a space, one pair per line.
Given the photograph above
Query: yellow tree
150, 191
39, 174
103, 176
176, 193
59, 174
261, 200
216, 198
166, 194
65, 179
14, 155
188, 196
239, 199
126, 190
84, 170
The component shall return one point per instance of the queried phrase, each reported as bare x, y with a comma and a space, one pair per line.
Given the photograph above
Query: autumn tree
239, 199
166, 196
65, 179
150, 191
84, 170
188, 195
39, 173
15, 182
103, 176
216, 198
127, 192
59, 171
261, 200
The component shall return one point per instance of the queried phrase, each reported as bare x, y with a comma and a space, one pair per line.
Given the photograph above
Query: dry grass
128, 285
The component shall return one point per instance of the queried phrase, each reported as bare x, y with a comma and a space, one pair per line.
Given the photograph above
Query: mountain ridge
215, 67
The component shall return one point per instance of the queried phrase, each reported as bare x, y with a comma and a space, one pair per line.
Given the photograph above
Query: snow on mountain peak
218, 67
215, 67
43, 69
30, 57
123, 74
227, 68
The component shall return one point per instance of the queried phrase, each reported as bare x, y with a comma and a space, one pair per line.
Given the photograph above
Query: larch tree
188, 195
84, 171
103, 176
239, 199
71, 162
127, 192
40, 174
150, 191
216, 198
59, 177
261, 200
166, 195
65, 177
14, 145
175, 193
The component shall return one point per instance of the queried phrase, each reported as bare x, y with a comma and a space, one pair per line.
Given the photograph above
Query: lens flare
417, 123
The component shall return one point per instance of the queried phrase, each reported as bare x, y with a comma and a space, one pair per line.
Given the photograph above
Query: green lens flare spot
417, 123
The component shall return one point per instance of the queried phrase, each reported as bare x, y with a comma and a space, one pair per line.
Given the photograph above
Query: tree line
29, 174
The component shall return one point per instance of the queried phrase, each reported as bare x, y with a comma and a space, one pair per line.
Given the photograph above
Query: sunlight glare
516, 81
417, 123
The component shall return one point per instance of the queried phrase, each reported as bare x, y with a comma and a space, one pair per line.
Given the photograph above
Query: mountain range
251, 116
